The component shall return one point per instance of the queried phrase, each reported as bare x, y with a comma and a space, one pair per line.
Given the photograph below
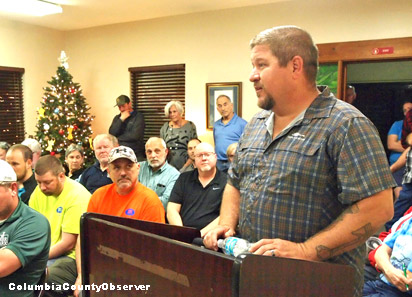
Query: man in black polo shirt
196, 197
20, 157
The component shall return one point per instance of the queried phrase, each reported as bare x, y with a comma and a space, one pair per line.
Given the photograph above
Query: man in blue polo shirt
226, 131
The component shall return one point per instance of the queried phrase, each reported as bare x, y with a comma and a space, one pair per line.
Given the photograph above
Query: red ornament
61, 132
75, 127
72, 91
52, 153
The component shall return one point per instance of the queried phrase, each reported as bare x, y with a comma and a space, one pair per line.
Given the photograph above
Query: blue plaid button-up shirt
296, 185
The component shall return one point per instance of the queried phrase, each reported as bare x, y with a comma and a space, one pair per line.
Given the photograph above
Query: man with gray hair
156, 173
24, 239
197, 195
35, 147
96, 175
310, 179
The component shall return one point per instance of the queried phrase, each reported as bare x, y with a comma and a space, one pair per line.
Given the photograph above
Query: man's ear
297, 66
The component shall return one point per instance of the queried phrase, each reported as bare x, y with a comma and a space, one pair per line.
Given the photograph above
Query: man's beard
267, 103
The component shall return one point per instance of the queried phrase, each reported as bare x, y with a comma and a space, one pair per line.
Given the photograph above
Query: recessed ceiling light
30, 7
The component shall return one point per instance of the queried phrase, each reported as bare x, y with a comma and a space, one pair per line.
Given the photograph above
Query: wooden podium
151, 259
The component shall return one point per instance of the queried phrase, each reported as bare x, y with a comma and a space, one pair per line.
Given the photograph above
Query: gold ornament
91, 143
50, 144
41, 112
70, 136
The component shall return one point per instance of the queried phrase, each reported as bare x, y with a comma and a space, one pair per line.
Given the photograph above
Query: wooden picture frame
213, 90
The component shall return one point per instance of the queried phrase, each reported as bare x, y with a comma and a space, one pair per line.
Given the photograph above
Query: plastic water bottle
234, 246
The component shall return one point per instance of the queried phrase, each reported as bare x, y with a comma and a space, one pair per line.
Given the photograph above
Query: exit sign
382, 50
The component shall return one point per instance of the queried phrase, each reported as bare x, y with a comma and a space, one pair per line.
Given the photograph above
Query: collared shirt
296, 185
200, 205
406, 128
93, 178
226, 134
160, 181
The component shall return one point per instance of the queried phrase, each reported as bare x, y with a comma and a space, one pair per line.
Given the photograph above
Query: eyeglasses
206, 155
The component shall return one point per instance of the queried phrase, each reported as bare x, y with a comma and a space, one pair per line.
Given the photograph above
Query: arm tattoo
360, 234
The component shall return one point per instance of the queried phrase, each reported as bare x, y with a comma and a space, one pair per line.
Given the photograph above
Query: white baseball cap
122, 152
7, 173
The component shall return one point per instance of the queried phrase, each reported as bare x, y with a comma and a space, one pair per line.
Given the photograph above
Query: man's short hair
4, 145
151, 139
176, 103
196, 139
286, 42
223, 95
48, 163
110, 137
24, 149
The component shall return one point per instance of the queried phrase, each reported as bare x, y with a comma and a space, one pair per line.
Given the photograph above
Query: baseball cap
122, 152
7, 173
122, 99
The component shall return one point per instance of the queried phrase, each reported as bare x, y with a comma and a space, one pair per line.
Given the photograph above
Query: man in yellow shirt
62, 201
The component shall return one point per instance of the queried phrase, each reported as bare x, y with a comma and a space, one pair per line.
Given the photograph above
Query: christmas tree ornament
46, 126
61, 132
75, 127
70, 136
41, 112
50, 144
56, 110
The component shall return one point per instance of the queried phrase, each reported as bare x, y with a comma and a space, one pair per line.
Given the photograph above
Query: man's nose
254, 75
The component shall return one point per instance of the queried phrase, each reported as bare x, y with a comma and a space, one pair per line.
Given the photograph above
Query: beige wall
213, 45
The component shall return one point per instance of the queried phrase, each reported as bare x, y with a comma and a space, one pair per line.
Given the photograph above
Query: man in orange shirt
126, 197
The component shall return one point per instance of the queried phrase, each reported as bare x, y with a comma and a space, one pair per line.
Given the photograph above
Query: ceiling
80, 14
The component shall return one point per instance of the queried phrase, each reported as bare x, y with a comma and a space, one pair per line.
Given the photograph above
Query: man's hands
211, 237
124, 115
280, 248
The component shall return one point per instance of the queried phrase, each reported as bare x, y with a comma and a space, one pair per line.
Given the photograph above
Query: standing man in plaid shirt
310, 179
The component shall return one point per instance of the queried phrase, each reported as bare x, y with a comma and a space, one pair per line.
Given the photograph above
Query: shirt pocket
160, 189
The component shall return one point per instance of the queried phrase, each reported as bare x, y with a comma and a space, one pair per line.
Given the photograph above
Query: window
11, 105
152, 88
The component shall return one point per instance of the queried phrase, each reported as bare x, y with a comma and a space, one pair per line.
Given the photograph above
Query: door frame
380, 50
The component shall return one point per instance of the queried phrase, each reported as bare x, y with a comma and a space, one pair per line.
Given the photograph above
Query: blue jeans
379, 288
222, 165
401, 205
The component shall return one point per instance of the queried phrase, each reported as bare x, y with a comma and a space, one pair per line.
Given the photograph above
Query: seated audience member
156, 173
230, 152
62, 201
126, 197
4, 147
35, 147
370, 271
20, 157
395, 147
404, 200
190, 163
197, 195
393, 259
74, 158
96, 175
24, 239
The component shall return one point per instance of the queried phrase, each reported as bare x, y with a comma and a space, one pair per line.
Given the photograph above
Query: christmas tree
64, 117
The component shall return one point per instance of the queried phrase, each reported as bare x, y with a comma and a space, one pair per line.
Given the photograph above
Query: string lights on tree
64, 117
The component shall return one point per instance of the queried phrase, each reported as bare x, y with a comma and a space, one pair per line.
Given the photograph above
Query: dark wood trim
158, 68
12, 69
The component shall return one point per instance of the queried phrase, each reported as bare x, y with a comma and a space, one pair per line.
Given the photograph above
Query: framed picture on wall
213, 90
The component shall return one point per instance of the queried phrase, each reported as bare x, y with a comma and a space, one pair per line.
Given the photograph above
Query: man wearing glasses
196, 197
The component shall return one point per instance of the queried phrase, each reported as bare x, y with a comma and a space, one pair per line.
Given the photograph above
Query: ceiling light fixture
30, 7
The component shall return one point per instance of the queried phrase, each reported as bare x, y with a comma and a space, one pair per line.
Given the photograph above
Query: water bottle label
230, 245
